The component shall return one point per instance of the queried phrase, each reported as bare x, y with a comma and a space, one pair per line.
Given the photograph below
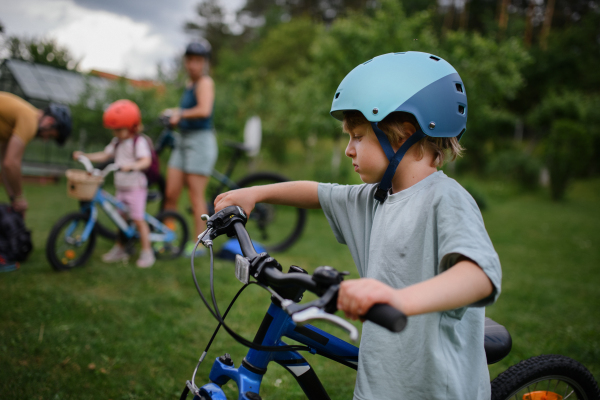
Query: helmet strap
383, 141
386, 183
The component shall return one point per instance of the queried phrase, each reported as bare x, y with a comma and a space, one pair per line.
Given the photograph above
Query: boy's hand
241, 197
77, 153
357, 296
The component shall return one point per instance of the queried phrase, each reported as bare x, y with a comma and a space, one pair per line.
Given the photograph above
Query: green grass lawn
119, 332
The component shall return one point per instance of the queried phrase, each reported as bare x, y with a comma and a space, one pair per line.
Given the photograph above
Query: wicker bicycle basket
81, 185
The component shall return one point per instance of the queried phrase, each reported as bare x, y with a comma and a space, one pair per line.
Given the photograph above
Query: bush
568, 151
478, 196
518, 167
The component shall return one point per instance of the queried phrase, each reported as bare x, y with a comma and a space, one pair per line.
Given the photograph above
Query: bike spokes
549, 388
542, 395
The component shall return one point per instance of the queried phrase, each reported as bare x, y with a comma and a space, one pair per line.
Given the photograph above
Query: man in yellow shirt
19, 123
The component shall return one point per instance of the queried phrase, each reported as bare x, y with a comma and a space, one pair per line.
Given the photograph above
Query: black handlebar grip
387, 316
244, 239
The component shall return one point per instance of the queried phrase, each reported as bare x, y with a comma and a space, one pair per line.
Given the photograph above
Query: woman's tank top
188, 100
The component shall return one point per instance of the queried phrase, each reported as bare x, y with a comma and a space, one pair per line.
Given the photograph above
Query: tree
568, 149
41, 51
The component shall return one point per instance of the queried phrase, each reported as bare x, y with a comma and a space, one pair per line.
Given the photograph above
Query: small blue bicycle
547, 377
72, 239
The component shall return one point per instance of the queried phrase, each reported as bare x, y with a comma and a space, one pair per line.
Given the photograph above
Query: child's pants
135, 199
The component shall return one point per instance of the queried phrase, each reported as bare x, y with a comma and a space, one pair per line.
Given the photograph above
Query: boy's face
368, 158
122, 133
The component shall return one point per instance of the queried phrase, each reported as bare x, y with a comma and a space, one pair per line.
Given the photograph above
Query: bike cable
217, 315
212, 338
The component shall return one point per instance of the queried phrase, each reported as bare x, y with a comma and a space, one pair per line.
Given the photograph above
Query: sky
126, 37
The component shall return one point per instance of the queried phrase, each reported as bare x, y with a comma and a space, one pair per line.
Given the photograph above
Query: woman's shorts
135, 200
195, 152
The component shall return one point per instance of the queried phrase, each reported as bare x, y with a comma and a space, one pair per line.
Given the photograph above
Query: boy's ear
408, 128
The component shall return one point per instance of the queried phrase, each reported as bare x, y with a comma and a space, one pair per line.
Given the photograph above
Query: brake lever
315, 309
316, 313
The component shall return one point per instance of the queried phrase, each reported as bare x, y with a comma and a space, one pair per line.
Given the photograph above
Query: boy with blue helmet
416, 236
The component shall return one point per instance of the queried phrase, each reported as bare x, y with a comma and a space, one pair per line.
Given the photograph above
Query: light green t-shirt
413, 236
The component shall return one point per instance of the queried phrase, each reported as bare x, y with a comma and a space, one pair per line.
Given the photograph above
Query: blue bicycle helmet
200, 47
62, 115
421, 84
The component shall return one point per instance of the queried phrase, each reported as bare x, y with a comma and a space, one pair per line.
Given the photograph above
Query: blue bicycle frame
112, 206
275, 325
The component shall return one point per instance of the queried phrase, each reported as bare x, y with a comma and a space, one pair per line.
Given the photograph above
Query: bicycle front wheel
65, 247
546, 377
276, 227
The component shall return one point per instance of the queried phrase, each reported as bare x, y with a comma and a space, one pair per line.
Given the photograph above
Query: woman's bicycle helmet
421, 84
62, 116
200, 47
122, 114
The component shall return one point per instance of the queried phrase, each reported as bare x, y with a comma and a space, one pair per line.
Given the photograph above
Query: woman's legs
197, 185
175, 179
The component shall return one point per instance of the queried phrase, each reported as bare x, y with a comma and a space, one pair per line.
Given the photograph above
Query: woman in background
195, 152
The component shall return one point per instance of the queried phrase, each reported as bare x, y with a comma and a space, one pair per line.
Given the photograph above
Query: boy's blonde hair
399, 126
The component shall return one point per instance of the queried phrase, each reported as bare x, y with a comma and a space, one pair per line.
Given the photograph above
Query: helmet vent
337, 95
459, 87
366, 62
461, 109
401, 52
434, 58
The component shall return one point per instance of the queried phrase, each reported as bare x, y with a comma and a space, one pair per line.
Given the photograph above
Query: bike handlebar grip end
387, 316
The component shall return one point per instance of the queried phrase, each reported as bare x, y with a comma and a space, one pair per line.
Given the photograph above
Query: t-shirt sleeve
110, 148
329, 198
142, 148
347, 207
461, 232
349, 211
25, 127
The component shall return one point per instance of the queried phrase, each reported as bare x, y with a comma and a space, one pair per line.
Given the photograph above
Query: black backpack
15, 238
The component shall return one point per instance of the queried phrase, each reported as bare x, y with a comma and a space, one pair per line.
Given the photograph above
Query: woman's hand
357, 296
245, 198
175, 117
77, 153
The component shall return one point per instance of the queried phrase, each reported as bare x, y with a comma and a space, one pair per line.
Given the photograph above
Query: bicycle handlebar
87, 164
324, 282
273, 276
95, 171
387, 316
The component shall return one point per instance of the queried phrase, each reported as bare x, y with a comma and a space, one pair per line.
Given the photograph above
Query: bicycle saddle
497, 341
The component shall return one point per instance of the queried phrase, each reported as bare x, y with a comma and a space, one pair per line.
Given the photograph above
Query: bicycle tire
535, 377
287, 239
69, 260
169, 252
